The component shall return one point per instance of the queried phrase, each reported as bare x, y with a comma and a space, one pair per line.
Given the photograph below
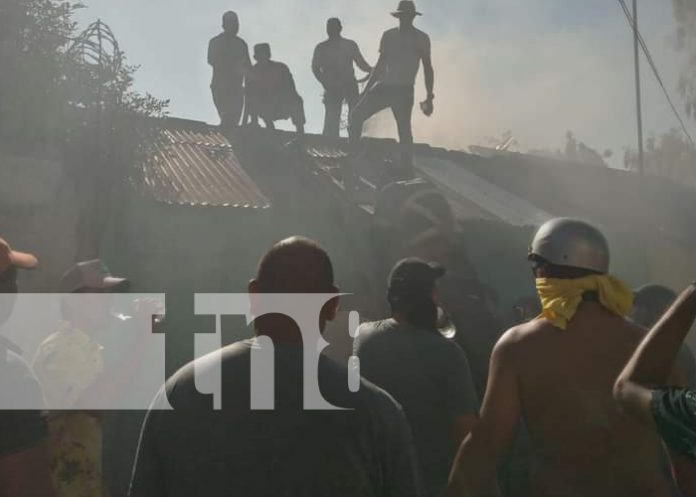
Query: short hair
296, 265
334, 20
262, 49
229, 15
654, 297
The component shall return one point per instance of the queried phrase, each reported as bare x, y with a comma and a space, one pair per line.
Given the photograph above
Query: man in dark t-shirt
24, 466
363, 450
425, 372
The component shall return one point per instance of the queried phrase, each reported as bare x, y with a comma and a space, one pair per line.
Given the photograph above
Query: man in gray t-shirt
364, 450
425, 372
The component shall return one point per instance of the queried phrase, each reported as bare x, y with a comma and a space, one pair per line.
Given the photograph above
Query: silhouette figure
228, 54
402, 49
271, 93
332, 65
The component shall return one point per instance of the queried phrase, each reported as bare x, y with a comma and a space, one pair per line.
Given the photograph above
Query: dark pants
399, 99
334, 96
229, 101
271, 110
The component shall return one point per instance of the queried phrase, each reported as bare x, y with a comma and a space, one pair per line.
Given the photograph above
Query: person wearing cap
271, 92
645, 389
425, 372
558, 372
391, 85
228, 55
24, 460
69, 364
332, 65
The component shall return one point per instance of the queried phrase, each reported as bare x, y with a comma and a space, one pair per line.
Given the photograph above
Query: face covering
560, 298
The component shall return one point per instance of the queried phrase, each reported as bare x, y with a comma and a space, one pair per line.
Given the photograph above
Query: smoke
537, 68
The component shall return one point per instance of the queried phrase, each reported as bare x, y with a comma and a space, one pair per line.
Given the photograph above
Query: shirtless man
558, 372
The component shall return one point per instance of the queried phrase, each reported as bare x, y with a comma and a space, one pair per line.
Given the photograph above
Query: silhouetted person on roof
391, 85
271, 92
332, 65
228, 54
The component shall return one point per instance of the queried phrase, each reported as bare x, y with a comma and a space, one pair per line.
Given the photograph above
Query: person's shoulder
525, 335
369, 331
378, 399
391, 32
184, 378
217, 38
422, 34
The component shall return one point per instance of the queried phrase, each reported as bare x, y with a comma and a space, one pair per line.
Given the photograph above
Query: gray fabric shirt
365, 450
429, 376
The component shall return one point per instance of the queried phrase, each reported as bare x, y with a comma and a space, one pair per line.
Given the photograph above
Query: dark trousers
271, 110
399, 99
229, 101
334, 96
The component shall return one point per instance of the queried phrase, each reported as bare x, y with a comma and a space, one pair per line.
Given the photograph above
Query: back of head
650, 302
295, 265
334, 27
569, 248
412, 283
230, 22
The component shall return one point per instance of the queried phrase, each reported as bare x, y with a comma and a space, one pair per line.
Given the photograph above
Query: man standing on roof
332, 65
391, 85
558, 372
271, 92
228, 54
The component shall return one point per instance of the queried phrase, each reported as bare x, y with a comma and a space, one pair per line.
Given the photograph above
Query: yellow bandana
560, 298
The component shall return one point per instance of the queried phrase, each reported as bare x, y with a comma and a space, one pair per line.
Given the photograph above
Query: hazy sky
535, 67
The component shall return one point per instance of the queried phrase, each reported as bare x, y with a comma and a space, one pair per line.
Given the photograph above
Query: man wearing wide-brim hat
391, 85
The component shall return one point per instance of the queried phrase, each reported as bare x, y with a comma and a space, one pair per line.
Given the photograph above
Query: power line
648, 56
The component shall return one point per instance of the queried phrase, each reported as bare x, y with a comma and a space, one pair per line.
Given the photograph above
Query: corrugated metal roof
490, 197
197, 167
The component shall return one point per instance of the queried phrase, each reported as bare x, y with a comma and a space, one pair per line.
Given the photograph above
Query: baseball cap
413, 278
92, 274
12, 258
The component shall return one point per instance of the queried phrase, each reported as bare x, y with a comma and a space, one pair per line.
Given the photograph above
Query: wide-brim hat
406, 7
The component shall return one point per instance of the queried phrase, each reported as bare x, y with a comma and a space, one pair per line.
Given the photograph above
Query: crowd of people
243, 92
598, 395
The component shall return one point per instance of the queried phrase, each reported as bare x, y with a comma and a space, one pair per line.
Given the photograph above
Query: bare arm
376, 73
428, 73
360, 60
474, 468
463, 426
26, 474
211, 54
653, 362
316, 66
